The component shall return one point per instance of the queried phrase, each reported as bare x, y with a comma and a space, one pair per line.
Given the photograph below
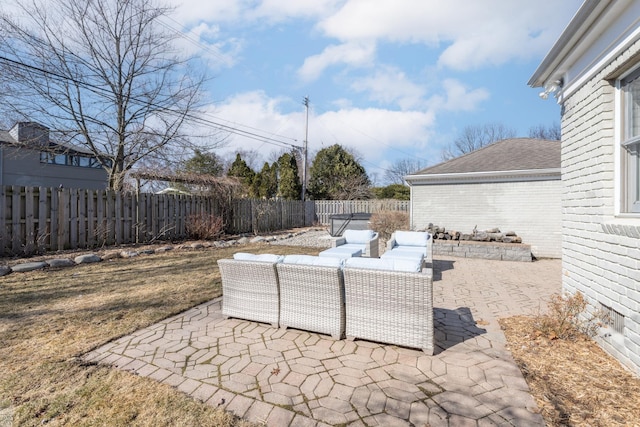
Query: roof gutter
485, 177
578, 26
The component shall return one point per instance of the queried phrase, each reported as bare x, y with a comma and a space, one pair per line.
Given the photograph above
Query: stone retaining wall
484, 250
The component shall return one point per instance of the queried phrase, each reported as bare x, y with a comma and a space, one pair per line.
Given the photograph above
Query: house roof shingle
514, 154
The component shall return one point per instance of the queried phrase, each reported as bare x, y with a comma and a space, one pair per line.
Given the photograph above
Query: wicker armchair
250, 290
364, 240
312, 296
393, 307
411, 244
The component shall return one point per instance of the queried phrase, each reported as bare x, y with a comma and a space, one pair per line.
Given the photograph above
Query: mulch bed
574, 382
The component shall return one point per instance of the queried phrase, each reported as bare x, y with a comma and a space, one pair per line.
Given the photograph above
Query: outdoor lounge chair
250, 288
385, 304
411, 244
366, 241
312, 294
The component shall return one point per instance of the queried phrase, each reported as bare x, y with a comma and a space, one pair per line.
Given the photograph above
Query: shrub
567, 318
204, 226
385, 223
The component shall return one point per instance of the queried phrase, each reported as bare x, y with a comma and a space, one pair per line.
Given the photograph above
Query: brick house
29, 158
593, 70
513, 185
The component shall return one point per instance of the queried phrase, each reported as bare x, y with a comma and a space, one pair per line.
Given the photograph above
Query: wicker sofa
385, 304
250, 288
376, 299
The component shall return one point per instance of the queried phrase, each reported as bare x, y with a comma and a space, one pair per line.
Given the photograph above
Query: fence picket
59, 218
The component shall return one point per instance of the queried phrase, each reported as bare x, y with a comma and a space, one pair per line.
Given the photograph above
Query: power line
220, 126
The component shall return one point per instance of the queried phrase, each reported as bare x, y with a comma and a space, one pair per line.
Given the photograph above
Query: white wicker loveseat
390, 301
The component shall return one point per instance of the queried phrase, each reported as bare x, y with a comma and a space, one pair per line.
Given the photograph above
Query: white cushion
358, 236
411, 238
407, 265
313, 260
342, 251
370, 263
405, 252
244, 256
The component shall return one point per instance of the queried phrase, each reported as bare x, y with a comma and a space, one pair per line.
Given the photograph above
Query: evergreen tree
244, 173
289, 186
335, 174
392, 191
266, 182
203, 164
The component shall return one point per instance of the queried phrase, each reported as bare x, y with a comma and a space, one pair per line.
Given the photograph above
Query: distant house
29, 158
593, 70
513, 185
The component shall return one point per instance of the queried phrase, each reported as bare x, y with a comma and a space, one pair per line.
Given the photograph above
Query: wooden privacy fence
326, 208
38, 219
257, 216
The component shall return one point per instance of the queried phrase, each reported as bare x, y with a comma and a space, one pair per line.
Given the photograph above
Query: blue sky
388, 79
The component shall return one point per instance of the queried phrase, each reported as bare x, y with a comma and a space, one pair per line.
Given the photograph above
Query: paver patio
297, 378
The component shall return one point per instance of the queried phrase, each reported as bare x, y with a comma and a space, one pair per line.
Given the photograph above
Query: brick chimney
30, 133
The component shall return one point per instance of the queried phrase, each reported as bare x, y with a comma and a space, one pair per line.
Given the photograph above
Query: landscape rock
87, 259
4, 270
28, 266
60, 263
111, 255
164, 249
129, 254
196, 246
243, 241
257, 239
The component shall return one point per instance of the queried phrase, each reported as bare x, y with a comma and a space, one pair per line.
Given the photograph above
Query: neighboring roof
504, 159
7, 138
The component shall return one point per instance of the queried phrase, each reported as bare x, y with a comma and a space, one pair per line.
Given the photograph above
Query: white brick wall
600, 252
531, 209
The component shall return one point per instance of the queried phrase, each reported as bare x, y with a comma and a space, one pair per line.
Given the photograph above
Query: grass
49, 318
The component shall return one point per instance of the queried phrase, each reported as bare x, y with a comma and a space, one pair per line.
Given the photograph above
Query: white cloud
390, 85
352, 54
369, 131
458, 97
476, 33
252, 11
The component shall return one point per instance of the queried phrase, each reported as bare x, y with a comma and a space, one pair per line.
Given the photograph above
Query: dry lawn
574, 382
49, 318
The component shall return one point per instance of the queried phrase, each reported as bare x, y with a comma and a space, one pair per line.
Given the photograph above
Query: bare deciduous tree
474, 137
104, 74
552, 132
396, 172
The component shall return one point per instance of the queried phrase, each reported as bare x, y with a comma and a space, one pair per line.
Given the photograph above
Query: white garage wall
532, 209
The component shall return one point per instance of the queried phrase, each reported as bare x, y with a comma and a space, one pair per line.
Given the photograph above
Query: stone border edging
88, 258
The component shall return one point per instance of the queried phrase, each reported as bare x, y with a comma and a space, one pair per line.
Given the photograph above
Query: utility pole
304, 149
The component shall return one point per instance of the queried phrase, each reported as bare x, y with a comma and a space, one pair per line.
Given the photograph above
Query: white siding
601, 252
531, 209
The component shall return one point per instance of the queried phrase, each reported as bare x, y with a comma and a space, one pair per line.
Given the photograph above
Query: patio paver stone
296, 378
